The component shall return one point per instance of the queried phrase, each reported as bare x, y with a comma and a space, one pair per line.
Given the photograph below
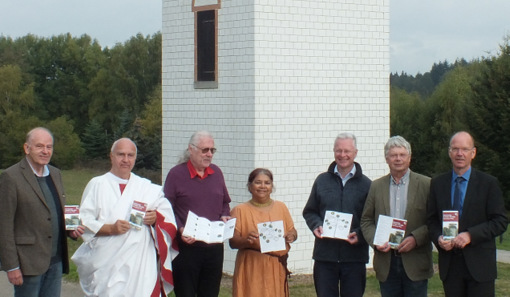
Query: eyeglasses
395, 156
205, 150
458, 149
347, 152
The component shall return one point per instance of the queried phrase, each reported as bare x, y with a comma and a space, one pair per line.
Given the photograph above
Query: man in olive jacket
343, 188
402, 194
33, 245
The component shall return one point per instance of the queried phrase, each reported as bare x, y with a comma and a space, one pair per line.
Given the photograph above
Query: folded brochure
336, 224
391, 230
208, 231
72, 216
137, 214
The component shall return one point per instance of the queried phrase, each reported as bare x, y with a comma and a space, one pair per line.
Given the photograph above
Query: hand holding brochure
450, 224
137, 214
271, 236
336, 224
72, 216
209, 232
391, 230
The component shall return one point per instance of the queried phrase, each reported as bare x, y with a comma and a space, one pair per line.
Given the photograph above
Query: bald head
123, 157
462, 151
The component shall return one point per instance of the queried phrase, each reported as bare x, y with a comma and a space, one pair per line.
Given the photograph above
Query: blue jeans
327, 275
399, 285
47, 284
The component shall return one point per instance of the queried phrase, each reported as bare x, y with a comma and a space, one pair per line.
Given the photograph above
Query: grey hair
396, 141
124, 138
194, 140
30, 134
346, 136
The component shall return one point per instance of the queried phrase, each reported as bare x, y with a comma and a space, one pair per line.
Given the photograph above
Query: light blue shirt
348, 176
463, 187
46, 171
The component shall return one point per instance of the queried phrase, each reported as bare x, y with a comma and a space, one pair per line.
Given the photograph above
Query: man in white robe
116, 259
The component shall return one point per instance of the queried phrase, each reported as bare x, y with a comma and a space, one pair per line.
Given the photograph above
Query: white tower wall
292, 74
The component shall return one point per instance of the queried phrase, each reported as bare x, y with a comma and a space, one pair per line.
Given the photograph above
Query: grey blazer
418, 262
25, 221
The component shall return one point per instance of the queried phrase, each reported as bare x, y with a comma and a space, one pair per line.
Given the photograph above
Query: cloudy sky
422, 32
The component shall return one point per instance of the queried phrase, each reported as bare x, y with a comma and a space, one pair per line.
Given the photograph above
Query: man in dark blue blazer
467, 263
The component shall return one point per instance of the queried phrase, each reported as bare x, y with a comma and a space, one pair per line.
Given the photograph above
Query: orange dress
257, 274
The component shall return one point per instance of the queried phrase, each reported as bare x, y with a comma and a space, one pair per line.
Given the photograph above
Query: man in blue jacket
343, 188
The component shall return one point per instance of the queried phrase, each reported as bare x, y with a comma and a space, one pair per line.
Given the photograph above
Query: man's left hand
461, 240
150, 218
352, 238
407, 245
74, 234
225, 218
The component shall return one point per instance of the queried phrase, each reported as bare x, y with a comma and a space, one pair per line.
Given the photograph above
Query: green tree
489, 120
125, 122
445, 114
16, 94
407, 121
16, 104
67, 148
95, 141
148, 133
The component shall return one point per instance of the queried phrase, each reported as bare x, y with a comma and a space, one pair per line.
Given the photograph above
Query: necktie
457, 194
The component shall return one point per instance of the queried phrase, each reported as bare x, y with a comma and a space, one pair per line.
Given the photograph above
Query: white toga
137, 263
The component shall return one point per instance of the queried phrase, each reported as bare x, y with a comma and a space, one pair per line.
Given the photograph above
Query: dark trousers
398, 284
351, 276
460, 283
197, 271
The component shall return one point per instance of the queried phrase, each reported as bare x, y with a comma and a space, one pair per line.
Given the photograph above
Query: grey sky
108, 21
421, 32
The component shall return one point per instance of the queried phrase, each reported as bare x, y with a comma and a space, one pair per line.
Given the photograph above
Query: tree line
89, 96
427, 109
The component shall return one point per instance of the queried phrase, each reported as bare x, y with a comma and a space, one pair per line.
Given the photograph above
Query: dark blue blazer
483, 216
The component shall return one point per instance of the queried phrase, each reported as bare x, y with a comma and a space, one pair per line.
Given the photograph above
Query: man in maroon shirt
197, 185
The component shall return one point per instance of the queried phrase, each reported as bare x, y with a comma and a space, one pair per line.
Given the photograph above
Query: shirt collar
193, 172
403, 180
466, 174
46, 171
350, 174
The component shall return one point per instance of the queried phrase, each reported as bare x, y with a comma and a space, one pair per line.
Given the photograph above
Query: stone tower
275, 82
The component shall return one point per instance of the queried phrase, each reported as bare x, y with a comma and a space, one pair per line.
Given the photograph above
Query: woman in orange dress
259, 274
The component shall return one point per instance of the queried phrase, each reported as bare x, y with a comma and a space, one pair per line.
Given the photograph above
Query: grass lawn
74, 184
302, 286
503, 242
